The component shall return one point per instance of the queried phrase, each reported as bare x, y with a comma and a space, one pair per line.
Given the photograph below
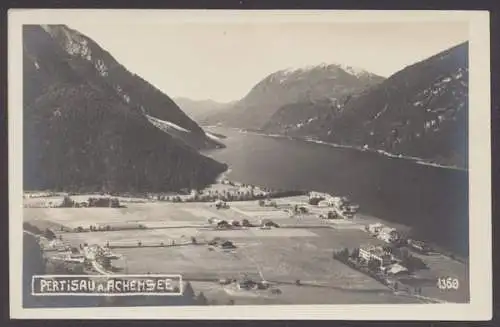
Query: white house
375, 228
376, 253
324, 203
396, 269
388, 235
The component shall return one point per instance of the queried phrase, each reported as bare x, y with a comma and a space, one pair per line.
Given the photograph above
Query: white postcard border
480, 263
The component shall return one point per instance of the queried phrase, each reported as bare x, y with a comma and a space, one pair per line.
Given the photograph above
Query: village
265, 246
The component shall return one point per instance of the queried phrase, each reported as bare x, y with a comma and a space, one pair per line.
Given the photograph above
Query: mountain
289, 86
89, 59
200, 110
420, 111
81, 133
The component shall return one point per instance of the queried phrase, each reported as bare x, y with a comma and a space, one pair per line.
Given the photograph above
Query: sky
223, 62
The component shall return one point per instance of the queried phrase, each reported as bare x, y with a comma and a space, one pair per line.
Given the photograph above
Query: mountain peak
328, 68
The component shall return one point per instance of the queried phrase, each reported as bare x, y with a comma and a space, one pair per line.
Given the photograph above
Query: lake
433, 201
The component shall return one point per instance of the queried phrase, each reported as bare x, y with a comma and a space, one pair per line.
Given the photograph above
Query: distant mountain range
420, 111
200, 110
291, 86
90, 124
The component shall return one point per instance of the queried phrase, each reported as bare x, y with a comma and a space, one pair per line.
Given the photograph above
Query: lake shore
417, 160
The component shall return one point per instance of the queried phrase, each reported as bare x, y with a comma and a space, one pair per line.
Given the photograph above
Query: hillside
82, 135
94, 63
421, 111
291, 86
200, 110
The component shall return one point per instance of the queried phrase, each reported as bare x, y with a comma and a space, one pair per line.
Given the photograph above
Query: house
345, 212
388, 234
419, 246
268, 223
227, 245
374, 228
219, 204
224, 244
330, 215
302, 210
246, 284
376, 253
396, 270
324, 203
235, 223
213, 220
223, 224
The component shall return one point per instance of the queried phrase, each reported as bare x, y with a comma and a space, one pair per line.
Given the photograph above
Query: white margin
480, 264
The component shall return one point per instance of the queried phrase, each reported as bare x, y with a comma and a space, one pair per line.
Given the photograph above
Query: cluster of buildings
387, 262
224, 224
384, 233
222, 243
341, 206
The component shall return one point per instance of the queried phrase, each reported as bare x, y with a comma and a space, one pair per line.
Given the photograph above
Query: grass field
282, 255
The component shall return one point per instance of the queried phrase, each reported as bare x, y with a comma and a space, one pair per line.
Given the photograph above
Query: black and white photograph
231, 164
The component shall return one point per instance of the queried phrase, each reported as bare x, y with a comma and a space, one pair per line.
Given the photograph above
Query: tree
355, 253
413, 263
49, 234
246, 223
344, 253
201, 299
315, 201
67, 202
188, 291
373, 265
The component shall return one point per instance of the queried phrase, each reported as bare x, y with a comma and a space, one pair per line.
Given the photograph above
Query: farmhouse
388, 235
374, 228
219, 204
396, 270
246, 284
213, 220
225, 244
376, 253
419, 246
268, 223
223, 224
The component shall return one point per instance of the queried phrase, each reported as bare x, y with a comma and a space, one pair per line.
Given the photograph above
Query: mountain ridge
420, 111
80, 135
289, 86
132, 88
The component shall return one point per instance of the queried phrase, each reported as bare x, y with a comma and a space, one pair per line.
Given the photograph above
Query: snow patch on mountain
163, 124
284, 74
213, 137
353, 70
101, 67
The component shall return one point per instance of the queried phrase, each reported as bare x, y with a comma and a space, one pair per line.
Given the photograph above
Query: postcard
217, 164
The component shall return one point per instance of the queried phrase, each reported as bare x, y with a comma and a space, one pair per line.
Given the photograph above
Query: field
300, 250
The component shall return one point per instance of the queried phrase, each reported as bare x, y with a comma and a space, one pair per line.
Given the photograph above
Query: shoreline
416, 160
